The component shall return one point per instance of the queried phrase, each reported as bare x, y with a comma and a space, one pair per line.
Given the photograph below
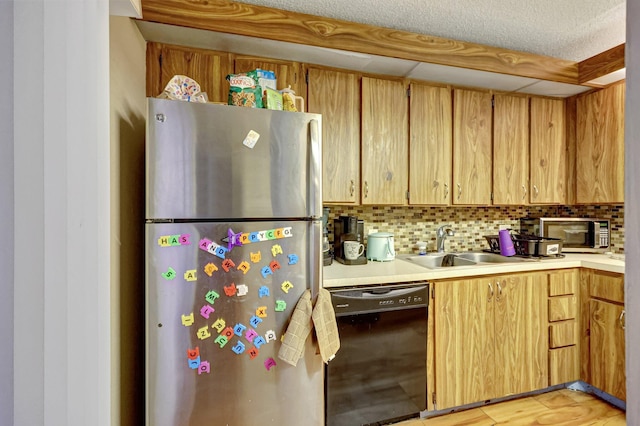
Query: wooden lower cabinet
490, 338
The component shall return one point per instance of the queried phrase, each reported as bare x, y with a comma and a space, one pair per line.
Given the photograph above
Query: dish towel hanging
303, 319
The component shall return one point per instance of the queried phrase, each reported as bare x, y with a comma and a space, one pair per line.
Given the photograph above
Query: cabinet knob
524, 192
446, 190
490, 292
352, 188
366, 189
621, 319
535, 191
459, 190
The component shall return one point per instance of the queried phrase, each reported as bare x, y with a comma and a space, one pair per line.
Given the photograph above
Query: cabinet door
207, 67
464, 342
430, 146
600, 146
385, 142
548, 149
287, 73
336, 95
607, 348
520, 321
510, 150
472, 153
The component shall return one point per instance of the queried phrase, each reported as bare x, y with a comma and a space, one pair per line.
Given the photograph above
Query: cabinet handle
366, 189
536, 192
446, 190
490, 292
621, 319
524, 189
353, 187
499, 291
459, 190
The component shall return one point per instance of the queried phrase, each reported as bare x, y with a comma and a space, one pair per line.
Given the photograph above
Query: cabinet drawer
608, 286
563, 283
562, 308
562, 334
563, 365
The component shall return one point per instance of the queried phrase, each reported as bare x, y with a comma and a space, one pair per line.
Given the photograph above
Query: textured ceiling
566, 29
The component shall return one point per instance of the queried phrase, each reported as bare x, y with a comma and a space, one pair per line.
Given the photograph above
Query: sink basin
437, 261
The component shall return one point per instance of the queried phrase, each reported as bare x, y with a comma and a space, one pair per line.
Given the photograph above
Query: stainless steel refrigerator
233, 239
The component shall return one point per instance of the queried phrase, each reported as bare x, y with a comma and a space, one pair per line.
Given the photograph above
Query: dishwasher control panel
381, 298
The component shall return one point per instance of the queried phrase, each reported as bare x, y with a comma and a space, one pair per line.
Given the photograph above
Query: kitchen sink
437, 261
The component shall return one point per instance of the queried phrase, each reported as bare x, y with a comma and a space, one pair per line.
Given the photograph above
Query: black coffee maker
348, 228
327, 256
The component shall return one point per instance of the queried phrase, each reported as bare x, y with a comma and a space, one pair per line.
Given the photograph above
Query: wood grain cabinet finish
472, 147
336, 95
510, 150
600, 146
547, 151
490, 338
385, 142
207, 67
430, 145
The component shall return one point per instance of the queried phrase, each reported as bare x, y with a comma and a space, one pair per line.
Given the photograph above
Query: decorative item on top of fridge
183, 88
258, 89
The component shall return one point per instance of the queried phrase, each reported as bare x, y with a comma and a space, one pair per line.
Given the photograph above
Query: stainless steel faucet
441, 234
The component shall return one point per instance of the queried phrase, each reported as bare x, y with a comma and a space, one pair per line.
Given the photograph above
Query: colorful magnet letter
281, 305
203, 333
274, 265
221, 340
259, 341
230, 290
227, 264
256, 257
276, 249
244, 267
293, 259
238, 329
210, 268
211, 296
253, 352
250, 335
213, 248
193, 353
170, 274
251, 139
228, 332
234, 240
263, 291
243, 289
238, 348
187, 320
206, 310
204, 367
286, 286
266, 271
255, 321
270, 335
194, 363
174, 240
269, 363
190, 275
261, 311
219, 325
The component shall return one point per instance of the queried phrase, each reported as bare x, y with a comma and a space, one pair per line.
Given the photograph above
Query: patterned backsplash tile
470, 224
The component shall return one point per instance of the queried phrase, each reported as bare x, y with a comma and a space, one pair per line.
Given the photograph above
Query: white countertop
398, 270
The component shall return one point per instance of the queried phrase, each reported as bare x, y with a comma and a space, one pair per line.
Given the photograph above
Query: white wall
6, 214
61, 342
632, 212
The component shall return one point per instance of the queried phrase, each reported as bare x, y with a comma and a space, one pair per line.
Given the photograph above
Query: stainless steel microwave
586, 235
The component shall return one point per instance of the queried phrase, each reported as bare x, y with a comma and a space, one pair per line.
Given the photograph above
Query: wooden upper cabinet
547, 151
472, 147
336, 95
287, 73
430, 145
510, 150
600, 146
385, 141
208, 68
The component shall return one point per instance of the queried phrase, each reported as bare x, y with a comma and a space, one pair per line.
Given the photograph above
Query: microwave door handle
594, 234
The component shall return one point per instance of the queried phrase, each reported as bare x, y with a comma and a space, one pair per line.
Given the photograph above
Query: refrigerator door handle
315, 258
315, 170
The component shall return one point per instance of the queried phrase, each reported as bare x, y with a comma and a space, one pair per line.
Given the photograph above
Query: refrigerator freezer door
208, 161
214, 322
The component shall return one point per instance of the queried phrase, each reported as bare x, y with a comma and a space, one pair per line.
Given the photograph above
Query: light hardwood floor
558, 408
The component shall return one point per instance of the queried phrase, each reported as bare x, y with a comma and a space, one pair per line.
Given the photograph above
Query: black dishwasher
379, 375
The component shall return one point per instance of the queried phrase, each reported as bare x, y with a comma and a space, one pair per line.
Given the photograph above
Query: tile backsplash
412, 224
